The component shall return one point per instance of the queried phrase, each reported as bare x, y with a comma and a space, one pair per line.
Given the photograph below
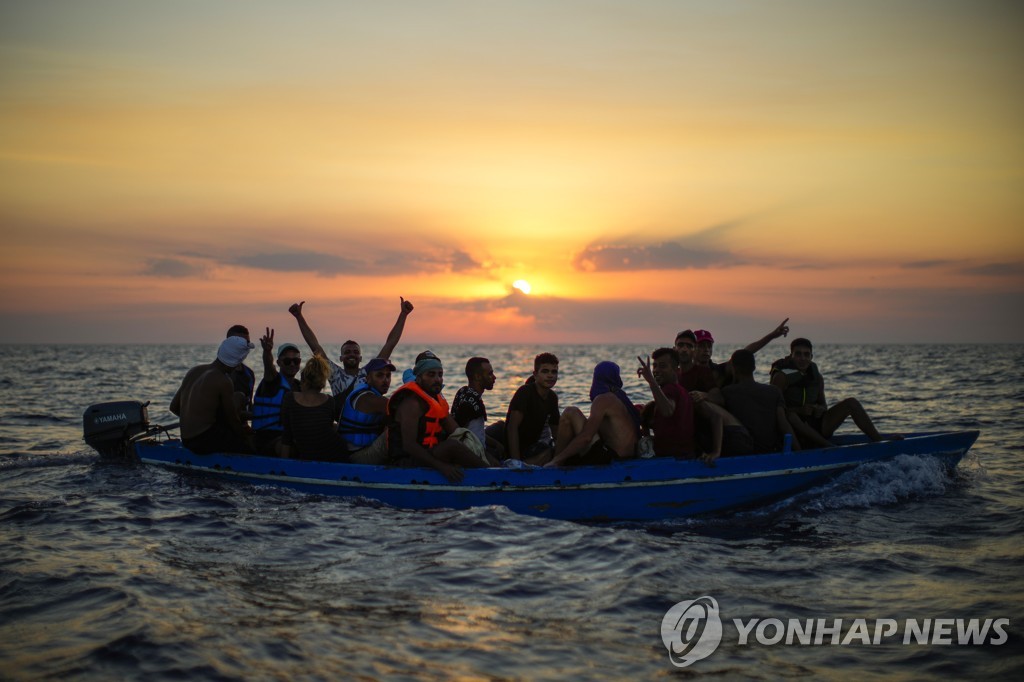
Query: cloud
1003, 269
663, 256
173, 267
996, 269
301, 261
610, 321
382, 262
928, 264
463, 262
697, 250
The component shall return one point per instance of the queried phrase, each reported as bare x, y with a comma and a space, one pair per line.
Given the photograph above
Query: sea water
113, 572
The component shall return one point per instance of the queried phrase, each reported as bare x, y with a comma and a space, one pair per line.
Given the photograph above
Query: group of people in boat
696, 408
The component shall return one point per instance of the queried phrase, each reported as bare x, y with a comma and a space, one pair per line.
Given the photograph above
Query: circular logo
691, 630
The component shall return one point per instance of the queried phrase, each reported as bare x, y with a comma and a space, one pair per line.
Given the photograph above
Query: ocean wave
902, 478
35, 419
863, 373
31, 460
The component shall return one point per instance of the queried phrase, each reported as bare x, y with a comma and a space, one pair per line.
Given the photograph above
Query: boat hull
634, 490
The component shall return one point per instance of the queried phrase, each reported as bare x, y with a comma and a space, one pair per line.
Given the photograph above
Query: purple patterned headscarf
608, 379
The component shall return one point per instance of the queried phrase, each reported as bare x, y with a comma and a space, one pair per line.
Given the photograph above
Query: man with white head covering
208, 406
242, 377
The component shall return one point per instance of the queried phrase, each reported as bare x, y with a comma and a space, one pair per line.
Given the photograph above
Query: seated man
468, 406
691, 376
610, 432
759, 407
715, 430
362, 416
671, 413
803, 388
418, 423
532, 414
344, 377
266, 409
205, 402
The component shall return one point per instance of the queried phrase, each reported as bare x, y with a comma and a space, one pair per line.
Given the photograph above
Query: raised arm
665, 405
781, 330
307, 332
269, 368
396, 332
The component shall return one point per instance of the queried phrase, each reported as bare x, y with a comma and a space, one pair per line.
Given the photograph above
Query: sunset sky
170, 168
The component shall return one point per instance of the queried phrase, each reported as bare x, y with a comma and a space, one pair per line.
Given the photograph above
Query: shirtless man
803, 388
205, 403
345, 376
419, 424
613, 421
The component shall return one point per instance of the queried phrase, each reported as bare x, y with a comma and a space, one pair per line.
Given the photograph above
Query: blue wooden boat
634, 490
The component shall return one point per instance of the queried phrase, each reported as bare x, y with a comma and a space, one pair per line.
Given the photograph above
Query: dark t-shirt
537, 412
755, 404
697, 378
467, 406
673, 435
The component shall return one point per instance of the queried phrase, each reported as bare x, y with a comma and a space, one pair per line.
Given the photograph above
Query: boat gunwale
579, 478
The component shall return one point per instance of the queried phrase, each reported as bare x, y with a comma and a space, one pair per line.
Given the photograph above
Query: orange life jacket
429, 431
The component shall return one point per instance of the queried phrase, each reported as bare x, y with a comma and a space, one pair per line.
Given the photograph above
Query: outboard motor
109, 427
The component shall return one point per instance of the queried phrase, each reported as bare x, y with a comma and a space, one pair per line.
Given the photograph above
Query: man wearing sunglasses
277, 381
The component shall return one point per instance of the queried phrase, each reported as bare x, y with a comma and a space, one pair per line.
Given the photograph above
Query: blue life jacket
266, 410
359, 429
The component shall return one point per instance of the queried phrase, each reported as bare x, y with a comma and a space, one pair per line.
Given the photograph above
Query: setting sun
274, 162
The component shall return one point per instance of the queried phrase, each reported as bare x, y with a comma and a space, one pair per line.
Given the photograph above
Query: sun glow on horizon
641, 194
